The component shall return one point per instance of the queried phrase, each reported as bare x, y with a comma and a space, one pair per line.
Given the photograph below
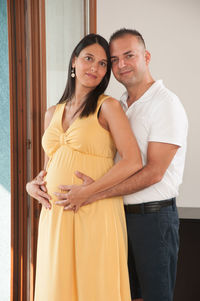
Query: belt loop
142, 208
174, 203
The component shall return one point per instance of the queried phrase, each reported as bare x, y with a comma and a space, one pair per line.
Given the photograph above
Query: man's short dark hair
124, 31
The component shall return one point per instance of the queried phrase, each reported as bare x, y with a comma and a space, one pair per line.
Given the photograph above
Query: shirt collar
145, 97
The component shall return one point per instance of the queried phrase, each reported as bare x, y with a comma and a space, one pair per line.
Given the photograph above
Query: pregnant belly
62, 167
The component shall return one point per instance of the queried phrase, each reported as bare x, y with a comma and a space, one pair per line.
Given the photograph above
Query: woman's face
90, 66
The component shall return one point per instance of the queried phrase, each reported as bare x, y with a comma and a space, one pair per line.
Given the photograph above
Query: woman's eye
103, 64
88, 58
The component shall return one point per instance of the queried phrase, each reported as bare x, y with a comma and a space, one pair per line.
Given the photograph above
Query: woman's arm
36, 188
126, 144
127, 147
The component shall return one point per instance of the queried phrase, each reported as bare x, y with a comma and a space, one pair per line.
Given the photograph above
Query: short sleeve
169, 123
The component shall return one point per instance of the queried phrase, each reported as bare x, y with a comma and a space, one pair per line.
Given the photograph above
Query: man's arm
159, 157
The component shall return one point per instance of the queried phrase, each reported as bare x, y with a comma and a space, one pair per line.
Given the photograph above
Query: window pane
4, 158
64, 29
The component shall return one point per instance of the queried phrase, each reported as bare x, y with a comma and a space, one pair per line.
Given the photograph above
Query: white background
171, 32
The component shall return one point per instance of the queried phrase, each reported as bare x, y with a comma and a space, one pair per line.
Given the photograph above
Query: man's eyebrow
127, 52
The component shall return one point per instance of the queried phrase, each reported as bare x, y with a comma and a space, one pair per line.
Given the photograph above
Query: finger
40, 177
42, 199
44, 195
69, 208
83, 177
41, 182
43, 187
44, 202
38, 181
85, 203
60, 195
42, 173
63, 203
76, 209
65, 187
47, 206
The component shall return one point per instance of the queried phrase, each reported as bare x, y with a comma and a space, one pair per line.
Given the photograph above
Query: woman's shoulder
107, 99
110, 102
49, 114
110, 107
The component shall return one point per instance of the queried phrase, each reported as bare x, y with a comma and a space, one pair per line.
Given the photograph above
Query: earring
73, 72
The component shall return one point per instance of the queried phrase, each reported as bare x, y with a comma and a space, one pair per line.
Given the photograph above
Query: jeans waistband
149, 207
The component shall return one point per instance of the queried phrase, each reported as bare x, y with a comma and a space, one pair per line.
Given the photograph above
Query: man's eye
129, 56
113, 61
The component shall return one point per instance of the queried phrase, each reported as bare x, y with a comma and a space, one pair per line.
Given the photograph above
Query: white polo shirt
160, 117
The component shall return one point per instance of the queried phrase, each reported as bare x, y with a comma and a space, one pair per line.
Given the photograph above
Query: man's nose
121, 63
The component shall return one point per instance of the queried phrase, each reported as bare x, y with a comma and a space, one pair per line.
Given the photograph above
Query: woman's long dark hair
90, 102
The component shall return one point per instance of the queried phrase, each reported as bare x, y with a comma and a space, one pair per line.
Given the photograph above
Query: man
160, 125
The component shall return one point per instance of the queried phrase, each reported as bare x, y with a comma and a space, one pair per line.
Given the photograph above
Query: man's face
129, 60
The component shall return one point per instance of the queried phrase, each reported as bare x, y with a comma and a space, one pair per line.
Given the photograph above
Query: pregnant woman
82, 256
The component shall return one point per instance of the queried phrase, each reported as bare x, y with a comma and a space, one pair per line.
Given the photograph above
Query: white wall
171, 32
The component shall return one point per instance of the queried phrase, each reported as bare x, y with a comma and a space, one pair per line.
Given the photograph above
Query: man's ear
147, 57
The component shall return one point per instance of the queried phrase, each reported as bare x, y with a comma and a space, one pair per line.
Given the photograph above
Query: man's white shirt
158, 116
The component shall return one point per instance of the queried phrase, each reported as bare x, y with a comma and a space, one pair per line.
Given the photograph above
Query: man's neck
136, 91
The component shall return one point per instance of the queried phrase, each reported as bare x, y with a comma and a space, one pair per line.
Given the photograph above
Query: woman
82, 256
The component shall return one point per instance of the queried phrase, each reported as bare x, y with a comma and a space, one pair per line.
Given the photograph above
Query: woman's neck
80, 95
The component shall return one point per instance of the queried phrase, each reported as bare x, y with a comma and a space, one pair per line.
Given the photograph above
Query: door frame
27, 79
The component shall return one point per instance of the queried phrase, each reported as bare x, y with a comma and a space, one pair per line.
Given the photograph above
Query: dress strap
56, 120
101, 99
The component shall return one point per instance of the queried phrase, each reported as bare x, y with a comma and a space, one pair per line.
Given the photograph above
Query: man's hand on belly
62, 196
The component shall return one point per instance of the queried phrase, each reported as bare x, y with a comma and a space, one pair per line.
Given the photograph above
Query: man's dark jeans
153, 250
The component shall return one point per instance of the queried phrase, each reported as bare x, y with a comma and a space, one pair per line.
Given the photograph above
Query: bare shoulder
49, 115
111, 104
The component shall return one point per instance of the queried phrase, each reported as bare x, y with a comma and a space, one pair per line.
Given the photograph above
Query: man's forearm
140, 180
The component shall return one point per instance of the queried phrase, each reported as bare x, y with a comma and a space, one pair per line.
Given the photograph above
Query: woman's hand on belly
37, 189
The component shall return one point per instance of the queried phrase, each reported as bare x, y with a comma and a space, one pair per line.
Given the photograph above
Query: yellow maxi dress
81, 256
